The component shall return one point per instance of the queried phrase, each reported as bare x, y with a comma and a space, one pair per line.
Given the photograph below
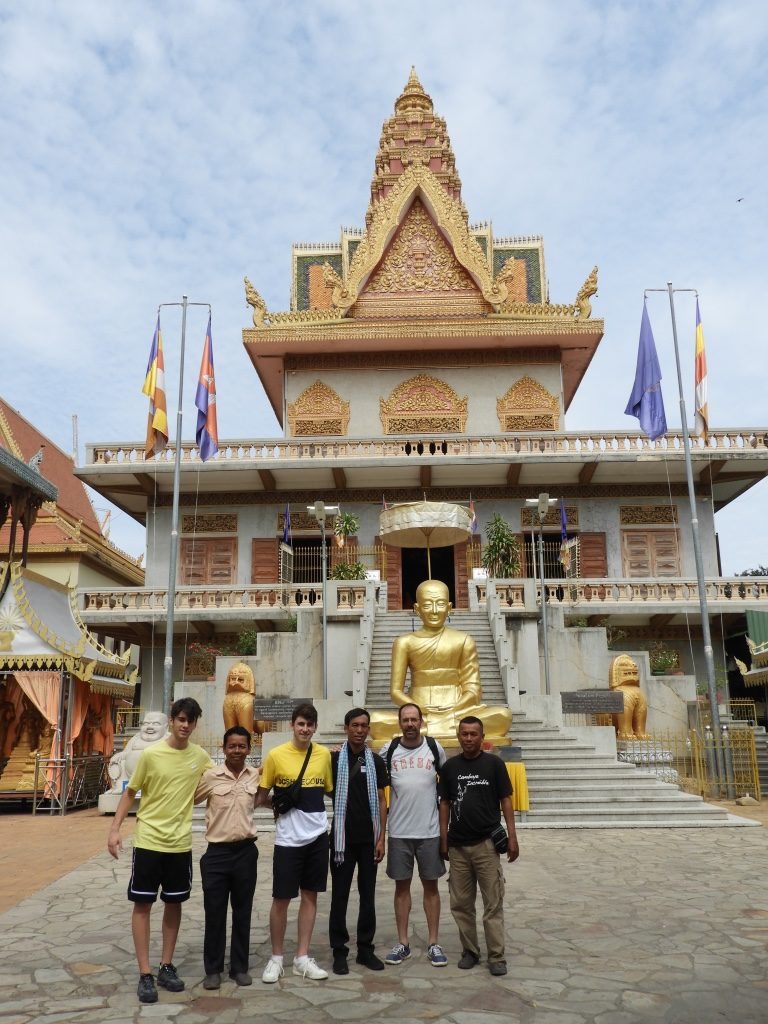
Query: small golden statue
625, 677
585, 293
445, 674
238, 701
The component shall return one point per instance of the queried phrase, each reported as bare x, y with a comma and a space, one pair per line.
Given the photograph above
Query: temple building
60, 684
422, 358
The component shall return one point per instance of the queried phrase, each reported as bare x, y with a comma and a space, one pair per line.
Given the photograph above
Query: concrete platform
603, 927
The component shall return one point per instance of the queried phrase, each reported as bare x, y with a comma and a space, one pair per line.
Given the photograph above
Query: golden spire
413, 96
415, 135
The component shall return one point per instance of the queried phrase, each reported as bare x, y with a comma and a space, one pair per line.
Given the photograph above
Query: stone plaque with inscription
276, 709
592, 702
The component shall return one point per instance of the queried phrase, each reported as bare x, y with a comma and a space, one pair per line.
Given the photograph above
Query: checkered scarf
341, 795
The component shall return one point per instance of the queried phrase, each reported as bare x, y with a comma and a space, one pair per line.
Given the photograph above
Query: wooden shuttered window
208, 561
594, 561
649, 553
265, 559
393, 574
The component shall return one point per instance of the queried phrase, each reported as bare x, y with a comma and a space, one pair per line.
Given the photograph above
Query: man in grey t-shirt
414, 830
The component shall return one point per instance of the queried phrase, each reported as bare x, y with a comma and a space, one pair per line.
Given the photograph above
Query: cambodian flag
207, 435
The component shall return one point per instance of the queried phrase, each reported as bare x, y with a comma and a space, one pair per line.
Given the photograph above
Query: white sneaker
272, 972
310, 969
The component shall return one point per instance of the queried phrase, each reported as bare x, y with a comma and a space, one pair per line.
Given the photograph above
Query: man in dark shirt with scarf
357, 839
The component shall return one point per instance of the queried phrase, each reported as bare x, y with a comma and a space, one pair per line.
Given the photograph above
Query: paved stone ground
611, 927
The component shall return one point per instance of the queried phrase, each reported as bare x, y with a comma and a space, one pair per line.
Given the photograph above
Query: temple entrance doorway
414, 571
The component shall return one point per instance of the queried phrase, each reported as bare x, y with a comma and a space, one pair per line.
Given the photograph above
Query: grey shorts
401, 854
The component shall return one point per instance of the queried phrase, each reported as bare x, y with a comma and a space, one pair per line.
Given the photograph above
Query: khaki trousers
473, 866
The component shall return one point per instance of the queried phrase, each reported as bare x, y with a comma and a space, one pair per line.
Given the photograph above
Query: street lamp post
543, 504
320, 511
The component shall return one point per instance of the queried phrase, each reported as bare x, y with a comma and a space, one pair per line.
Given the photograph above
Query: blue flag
646, 401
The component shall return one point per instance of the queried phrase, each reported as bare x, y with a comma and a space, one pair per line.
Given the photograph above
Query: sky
155, 150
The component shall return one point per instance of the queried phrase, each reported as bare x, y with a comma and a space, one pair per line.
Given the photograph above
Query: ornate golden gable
424, 404
318, 411
527, 405
446, 212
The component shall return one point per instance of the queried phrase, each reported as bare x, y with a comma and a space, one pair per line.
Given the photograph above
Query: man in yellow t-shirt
167, 775
300, 863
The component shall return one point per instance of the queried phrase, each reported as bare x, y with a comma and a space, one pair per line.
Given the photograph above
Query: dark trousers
358, 855
228, 871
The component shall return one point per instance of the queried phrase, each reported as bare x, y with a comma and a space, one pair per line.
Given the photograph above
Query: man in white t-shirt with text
413, 762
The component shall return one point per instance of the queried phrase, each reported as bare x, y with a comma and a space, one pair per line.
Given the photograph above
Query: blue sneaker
436, 956
397, 954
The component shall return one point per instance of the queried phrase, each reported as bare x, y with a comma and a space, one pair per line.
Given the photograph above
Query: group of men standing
440, 810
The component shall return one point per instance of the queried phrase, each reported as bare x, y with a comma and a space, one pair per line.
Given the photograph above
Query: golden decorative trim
642, 515
303, 521
585, 293
294, 326
318, 411
7, 435
210, 522
419, 260
527, 405
397, 360
530, 518
447, 213
423, 403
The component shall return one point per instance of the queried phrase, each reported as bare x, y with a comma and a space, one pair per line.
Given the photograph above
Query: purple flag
646, 401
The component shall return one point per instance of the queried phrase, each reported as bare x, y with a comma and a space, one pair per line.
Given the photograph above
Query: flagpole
705, 630
174, 552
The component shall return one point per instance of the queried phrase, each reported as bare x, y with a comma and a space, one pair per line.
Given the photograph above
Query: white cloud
152, 150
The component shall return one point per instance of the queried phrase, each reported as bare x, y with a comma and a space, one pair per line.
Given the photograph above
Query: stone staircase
389, 625
571, 785
761, 753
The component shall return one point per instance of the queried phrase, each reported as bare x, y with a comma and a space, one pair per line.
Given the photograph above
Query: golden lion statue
625, 677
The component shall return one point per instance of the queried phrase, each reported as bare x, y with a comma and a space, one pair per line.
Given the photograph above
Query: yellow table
517, 776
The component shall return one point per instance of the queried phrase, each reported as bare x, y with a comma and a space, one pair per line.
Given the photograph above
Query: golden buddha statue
445, 674
625, 677
238, 700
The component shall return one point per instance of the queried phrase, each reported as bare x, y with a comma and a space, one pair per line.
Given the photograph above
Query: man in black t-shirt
357, 839
474, 791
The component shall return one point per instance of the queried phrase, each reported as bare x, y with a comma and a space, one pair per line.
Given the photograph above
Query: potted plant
663, 660
346, 524
501, 553
348, 571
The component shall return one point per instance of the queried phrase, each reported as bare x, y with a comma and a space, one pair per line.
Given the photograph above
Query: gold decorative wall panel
318, 411
419, 259
645, 515
303, 522
425, 404
527, 405
213, 522
529, 517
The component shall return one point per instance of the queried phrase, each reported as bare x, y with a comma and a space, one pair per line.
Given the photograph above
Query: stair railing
497, 622
364, 645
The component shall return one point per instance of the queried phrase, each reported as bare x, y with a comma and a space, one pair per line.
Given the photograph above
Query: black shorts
152, 870
300, 867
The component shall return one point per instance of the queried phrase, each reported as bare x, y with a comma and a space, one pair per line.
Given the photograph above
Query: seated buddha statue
625, 677
444, 671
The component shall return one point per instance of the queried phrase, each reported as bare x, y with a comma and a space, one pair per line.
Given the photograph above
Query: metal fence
713, 767
64, 783
307, 559
127, 719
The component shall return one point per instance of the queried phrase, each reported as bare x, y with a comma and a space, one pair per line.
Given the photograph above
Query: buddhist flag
207, 434
646, 402
700, 378
287, 525
154, 387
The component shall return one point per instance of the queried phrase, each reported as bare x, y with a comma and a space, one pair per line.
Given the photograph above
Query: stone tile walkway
610, 927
